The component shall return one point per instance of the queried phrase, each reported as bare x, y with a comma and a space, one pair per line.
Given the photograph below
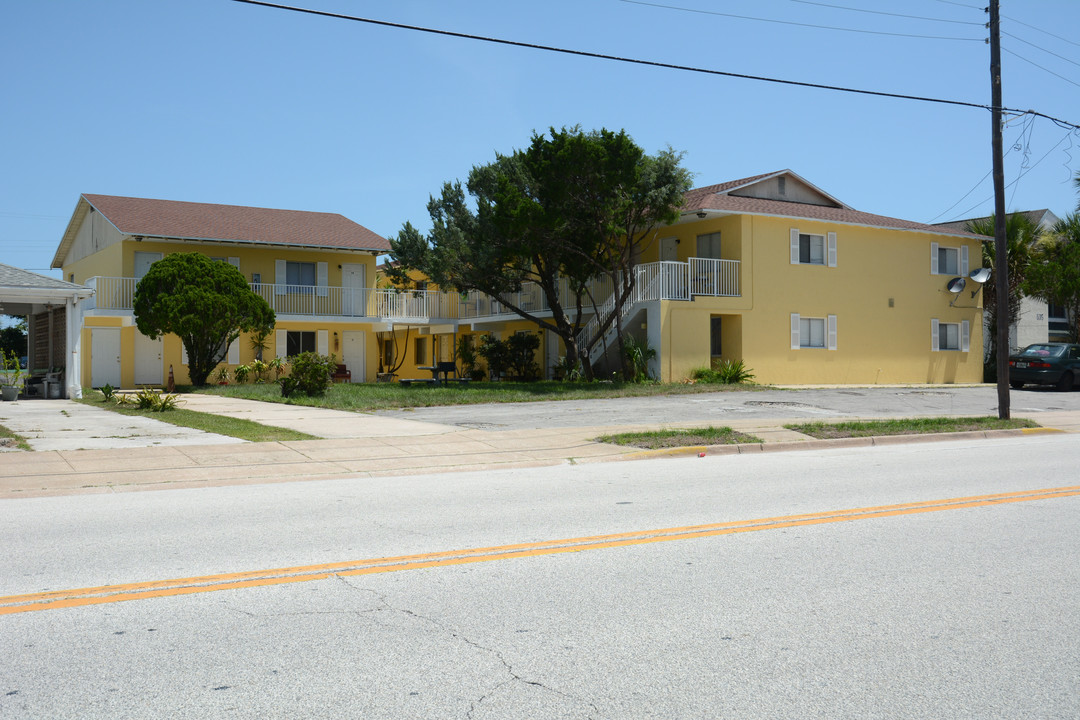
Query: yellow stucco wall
881, 292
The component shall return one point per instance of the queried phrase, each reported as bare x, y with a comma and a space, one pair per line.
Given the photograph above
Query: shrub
108, 392
147, 399
241, 373
311, 374
521, 349
259, 369
724, 372
638, 354
566, 370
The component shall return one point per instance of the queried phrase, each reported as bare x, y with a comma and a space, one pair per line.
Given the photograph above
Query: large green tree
1054, 273
1021, 237
207, 303
572, 207
13, 337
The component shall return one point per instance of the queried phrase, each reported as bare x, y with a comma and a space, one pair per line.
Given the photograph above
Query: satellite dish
956, 284
980, 275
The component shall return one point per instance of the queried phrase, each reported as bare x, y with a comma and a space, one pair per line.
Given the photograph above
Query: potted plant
11, 385
223, 375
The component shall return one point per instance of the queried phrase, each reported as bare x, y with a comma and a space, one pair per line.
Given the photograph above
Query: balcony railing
655, 281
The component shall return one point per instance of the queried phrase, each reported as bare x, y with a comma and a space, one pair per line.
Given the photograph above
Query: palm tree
1054, 274
1021, 236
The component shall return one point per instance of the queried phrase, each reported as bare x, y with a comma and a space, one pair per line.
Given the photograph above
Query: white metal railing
664, 280
112, 293
718, 278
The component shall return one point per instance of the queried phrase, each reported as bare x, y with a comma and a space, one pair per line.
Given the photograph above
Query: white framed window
948, 260
813, 249
708, 246
813, 332
950, 336
298, 341
303, 278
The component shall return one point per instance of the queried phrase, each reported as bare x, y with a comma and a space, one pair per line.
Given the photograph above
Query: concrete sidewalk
355, 445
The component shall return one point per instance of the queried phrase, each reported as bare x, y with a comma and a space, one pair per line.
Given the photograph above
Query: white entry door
143, 261
148, 360
105, 357
352, 289
353, 351
669, 249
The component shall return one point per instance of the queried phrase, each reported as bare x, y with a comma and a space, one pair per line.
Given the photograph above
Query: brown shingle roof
234, 223
715, 197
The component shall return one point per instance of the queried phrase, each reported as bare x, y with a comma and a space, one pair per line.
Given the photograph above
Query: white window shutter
794, 331
933, 260
235, 262
934, 335
280, 343
322, 342
965, 336
321, 278
963, 260
279, 277
794, 246
832, 332
234, 352
832, 249
183, 353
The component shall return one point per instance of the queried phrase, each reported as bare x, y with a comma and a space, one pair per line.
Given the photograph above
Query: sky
223, 102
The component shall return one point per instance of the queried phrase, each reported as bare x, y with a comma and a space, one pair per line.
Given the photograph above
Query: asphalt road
958, 611
725, 407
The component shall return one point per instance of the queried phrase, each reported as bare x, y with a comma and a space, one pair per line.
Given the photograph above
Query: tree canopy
206, 303
1054, 272
572, 207
1021, 237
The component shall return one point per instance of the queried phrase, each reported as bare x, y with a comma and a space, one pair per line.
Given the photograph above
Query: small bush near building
725, 372
311, 374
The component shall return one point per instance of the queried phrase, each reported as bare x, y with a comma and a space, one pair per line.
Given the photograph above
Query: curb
832, 443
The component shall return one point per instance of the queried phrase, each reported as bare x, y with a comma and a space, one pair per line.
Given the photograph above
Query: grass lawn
907, 426
657, 439
10, 439
365, 397
232, 427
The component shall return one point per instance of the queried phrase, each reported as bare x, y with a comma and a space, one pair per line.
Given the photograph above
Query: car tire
1064, 383
1016, 385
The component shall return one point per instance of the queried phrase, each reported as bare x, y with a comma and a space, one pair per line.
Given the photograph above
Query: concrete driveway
68, 425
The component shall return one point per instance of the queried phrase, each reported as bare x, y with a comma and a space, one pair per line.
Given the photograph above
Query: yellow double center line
233, 581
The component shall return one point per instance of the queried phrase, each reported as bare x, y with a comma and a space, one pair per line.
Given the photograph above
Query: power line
889, 14
1039, 47
1031, 62
1021, 175
797, 24
981, 180
960, 4
1045, 32
649, 63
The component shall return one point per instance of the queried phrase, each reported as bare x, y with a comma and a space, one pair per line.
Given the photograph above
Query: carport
53, 313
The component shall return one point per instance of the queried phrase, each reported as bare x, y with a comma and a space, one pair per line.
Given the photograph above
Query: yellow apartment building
770, 270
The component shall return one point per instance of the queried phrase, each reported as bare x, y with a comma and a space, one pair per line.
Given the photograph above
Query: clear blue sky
216, 101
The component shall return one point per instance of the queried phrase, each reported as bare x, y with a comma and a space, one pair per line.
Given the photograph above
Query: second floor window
812, 249
300, 273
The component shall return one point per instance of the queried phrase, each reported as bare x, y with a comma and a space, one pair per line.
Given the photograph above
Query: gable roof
222, 223
717, 199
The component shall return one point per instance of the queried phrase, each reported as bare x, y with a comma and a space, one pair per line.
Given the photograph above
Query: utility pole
1001, 262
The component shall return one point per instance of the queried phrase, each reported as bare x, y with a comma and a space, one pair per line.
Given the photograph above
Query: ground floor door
105, 357
353, 351
148, 360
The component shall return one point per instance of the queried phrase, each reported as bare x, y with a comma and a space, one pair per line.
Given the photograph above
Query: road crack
514, 676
